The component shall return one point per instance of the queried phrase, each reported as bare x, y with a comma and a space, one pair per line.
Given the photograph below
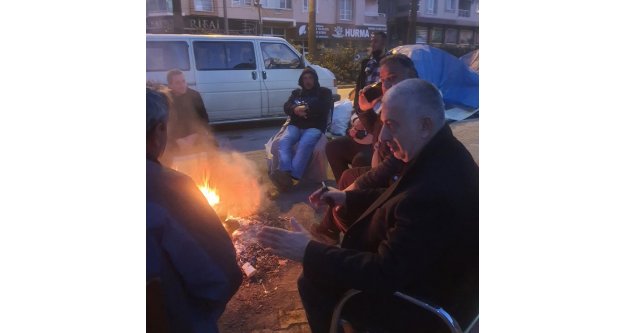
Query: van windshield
279, 56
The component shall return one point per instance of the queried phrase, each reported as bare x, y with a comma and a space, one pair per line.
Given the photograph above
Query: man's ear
427, 127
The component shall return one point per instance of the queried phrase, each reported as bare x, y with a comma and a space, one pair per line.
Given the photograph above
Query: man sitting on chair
308, 110
418, 237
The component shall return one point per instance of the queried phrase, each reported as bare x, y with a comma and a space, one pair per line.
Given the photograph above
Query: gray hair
423, 98
156, 106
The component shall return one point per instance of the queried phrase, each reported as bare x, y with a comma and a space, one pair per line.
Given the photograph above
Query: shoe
282, 180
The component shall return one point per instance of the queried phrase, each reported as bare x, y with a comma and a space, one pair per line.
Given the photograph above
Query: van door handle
264, 75
254, 75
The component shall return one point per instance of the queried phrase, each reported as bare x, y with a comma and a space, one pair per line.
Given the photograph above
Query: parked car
239, 77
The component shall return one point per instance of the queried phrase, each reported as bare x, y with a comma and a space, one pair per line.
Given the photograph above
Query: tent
456, 81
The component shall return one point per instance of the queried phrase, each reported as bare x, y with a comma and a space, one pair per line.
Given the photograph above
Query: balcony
375, 18
464, 13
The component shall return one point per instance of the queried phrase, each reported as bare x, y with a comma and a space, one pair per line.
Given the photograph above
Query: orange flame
210, 194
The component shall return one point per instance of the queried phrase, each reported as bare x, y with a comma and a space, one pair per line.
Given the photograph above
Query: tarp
458, 84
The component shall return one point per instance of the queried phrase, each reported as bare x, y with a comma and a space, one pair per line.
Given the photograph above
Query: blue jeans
307, 139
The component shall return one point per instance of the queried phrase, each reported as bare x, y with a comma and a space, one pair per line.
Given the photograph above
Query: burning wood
249, 269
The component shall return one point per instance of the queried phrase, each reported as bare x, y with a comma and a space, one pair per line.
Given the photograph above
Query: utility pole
260, 19
312, 29
178, 22
226, 18
412, 22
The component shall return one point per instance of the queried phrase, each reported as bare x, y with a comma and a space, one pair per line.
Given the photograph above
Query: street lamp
260, 19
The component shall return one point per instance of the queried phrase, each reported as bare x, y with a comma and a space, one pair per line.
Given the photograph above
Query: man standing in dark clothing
189, 116
419, 237
350, 150
370, 67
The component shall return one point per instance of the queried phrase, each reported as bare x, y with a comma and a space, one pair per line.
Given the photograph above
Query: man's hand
301, 111
363, 103
356, 126
319, 196
284, 243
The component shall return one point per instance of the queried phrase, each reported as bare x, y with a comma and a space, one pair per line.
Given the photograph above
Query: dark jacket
319, 101
361, 81
419, 236
189, 249
190, 114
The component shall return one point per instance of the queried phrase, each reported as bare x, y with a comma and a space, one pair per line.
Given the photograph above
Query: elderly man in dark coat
419, 236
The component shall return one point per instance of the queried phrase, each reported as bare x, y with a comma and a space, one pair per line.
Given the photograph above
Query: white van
239, 77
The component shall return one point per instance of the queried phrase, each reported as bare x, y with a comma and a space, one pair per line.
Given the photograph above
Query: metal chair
449, 321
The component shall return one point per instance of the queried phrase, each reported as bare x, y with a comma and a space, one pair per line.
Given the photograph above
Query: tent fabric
457, 82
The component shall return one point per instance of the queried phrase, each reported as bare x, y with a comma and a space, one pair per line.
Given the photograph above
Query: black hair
401, 60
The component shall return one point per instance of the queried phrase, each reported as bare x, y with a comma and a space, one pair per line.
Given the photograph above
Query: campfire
230, 184
209, 193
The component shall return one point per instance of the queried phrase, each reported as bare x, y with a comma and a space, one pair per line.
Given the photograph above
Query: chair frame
448, 319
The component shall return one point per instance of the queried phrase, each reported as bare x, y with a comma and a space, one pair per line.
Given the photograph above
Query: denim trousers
306, 139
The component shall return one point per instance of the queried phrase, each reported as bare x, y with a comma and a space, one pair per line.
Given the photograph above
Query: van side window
224, 55
163, 56
279, 56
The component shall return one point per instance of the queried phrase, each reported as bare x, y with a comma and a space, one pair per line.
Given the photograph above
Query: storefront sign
203, 24
162, 24
338, 31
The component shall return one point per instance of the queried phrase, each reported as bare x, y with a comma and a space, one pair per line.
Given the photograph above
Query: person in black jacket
419, 236
308, 110
351, 150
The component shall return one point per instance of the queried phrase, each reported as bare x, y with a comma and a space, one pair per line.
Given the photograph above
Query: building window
451, 36
345, 10
422, 35
274, 31
163, 56
430, 7
277, 4
464, 8
305, 6
466, 37
437, 35
450, 6
240, 3
159, 7
203, 5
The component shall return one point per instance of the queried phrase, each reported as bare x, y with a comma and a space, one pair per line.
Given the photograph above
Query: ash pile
257, 263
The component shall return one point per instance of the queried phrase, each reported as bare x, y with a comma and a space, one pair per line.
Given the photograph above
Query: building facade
338, 22
449, 24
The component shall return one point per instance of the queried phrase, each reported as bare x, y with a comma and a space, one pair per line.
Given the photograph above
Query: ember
256, 261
